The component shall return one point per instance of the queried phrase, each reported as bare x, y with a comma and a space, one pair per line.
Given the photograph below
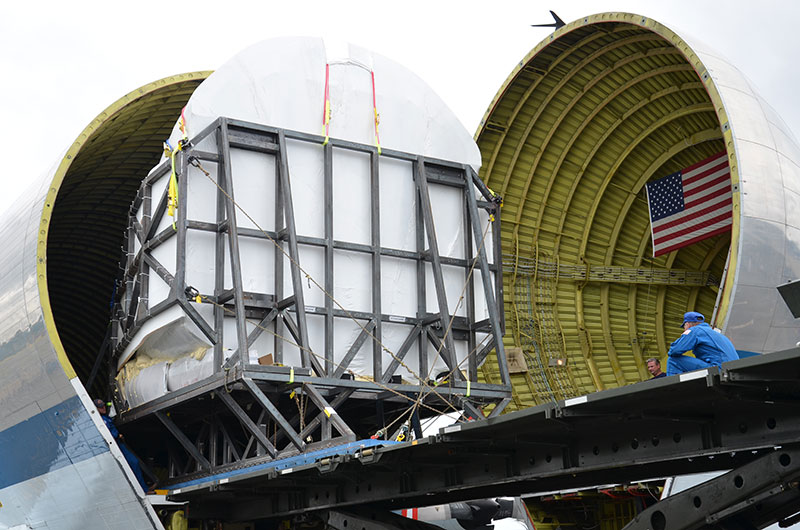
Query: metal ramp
733, 417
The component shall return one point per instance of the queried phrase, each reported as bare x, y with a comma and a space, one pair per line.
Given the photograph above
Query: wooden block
516, 361
265, 360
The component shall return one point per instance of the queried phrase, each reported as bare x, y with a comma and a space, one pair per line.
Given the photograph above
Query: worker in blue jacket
711, 348
133, 462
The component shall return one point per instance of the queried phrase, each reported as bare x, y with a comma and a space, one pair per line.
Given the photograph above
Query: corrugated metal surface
589, 116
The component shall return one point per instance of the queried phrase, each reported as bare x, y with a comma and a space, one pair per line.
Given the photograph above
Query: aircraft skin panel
62, 435
83, 495
60, 467
31, 378
760, 139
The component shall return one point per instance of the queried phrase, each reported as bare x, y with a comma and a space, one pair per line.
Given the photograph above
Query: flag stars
666, 196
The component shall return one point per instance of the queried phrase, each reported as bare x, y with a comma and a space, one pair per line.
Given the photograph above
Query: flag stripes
690, 205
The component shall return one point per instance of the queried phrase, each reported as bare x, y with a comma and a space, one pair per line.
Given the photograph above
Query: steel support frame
266, 387
755, 495
711, 420
245, 428
240, 135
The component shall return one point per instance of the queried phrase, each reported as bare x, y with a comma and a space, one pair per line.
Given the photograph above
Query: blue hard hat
693, 316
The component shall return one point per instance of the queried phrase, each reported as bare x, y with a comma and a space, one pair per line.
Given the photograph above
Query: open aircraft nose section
60, 251
600, 108
85, 214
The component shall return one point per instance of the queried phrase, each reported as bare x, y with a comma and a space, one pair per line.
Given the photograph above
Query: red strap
183, 123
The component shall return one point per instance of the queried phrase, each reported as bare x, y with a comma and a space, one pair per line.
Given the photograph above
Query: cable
452, 318
423, 382
308, 350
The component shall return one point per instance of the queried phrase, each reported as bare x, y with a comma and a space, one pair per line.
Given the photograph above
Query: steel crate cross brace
250, 399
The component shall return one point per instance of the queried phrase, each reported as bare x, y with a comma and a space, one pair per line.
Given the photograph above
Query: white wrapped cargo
143, 380
286, 83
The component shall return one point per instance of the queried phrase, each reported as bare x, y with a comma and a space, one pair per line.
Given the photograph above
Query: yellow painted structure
592, 113
95, 182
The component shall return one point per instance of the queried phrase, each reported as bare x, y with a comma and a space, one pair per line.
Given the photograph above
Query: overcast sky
62, 62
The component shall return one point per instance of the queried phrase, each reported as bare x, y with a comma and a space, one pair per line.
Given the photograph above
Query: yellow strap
377, 116
172, 198
377, 138
326, 111
291, 375
469, 387
293, 394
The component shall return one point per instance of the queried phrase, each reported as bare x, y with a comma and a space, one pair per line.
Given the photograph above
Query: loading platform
742, 416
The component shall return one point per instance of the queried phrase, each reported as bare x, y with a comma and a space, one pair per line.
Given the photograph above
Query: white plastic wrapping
281, 83
142, 381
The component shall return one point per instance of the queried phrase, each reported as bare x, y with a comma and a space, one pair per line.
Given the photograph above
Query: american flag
690, 205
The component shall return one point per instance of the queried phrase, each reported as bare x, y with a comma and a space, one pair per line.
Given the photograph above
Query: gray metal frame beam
273, 412
279, 272
400, 354
309, 360
185, 442
448, 349
226, 183
317, 420
754, 495
649, 430
246, 421
251, 338
281, 376
329, 411
323, 243
201, 323
219, 274
486, 280
329, 259
231, 446
375, 241
354, 348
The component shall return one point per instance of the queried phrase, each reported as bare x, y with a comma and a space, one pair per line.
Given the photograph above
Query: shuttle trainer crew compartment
286, 275
284, 261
